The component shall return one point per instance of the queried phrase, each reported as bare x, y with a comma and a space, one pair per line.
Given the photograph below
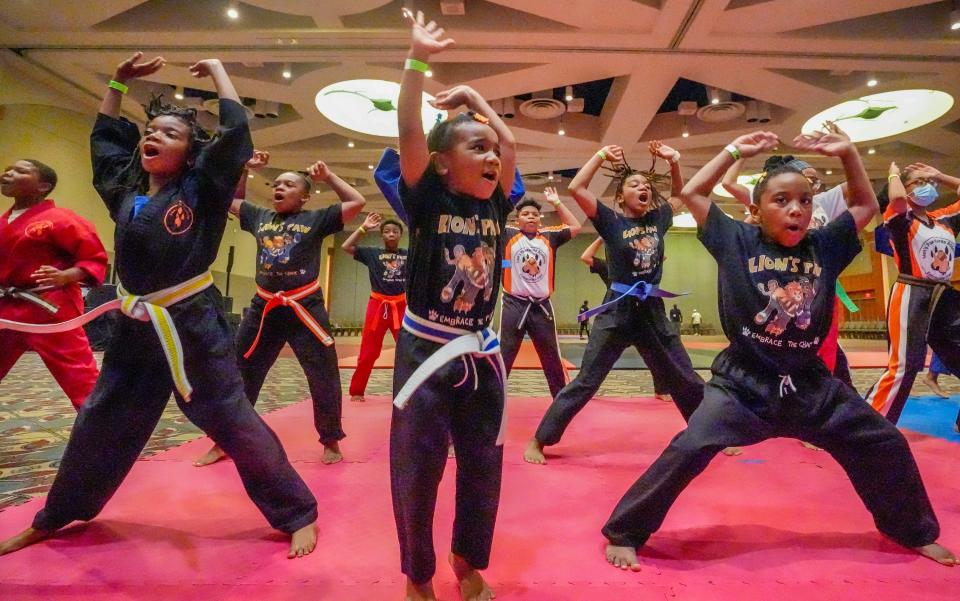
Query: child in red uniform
47, 253
387, 268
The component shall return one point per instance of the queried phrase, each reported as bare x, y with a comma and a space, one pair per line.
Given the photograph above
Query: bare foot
624, 558
420, 592
214, 455
451, 452
938, 553
24, 539
472, 585
303, 541
331, 453
663, 397
732, 451
810, 446
534, 453
933, 385
357, 398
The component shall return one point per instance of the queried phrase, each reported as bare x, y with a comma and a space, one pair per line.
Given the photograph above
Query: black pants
116, 421
912, 324
584, 327
630, 322
463, 401
741, 407
319, 362
519, 317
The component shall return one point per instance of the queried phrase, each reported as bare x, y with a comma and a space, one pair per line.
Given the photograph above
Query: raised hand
318, 172
260, 159
753, 144
830, 144
925, 171
613, 153
372, 221
206, 67
659, 149
894, 170
426, 39
831, 127
455, 97
550, 193
131, 69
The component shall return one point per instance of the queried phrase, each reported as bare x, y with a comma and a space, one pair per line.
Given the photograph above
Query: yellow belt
147, 307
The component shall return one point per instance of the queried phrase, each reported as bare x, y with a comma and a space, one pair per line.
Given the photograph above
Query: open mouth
643, 197
150, 151
490, 176
794, 228
277, 196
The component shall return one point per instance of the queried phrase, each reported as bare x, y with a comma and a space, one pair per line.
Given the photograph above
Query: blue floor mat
932, 416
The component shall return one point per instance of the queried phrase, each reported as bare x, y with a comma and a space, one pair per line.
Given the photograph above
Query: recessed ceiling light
872, 151
369, 106
233, 13
178, 93
428, 73
350, 144
884, 114
871, 83
745, 180
369, 166
568, 93
287, 72
249, 176
829, 172
561, 132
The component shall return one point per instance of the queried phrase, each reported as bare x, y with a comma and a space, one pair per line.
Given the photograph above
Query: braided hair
621, 172
135, 177
772, 167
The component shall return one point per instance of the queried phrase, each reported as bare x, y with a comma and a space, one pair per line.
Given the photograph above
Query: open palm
131, 69
828, 144
427, 37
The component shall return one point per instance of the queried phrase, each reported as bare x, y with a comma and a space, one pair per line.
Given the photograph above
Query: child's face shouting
471, 166
785, 208
637, 195
165, 146
289, 193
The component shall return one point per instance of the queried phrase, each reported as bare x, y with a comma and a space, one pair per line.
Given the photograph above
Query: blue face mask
924, 195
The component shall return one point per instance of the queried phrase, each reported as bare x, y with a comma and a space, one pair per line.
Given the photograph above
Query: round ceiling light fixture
884, 114
369, 106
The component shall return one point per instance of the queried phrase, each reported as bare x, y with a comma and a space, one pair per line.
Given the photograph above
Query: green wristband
415, 65
734, 152
893, 175
120, 87
602, 155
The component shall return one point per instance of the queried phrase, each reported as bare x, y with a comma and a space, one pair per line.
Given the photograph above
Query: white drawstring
466, 372
786, 385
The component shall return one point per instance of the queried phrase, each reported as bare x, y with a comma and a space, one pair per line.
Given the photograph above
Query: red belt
391, 304
289, 298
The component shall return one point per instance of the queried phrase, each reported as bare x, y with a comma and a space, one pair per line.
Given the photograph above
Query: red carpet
780, 522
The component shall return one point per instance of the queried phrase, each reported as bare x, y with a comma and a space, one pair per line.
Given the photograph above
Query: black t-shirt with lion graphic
634, 247
776, 302
455, 254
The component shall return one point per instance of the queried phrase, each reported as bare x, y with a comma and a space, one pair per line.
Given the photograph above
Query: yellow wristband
362, 230
120, 87
893, 175
415, 65
602, 155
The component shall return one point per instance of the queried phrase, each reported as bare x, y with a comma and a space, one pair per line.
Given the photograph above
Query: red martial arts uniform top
47, 235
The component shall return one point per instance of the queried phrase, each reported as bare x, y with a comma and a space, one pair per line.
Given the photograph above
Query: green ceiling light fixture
369, 106
884, 114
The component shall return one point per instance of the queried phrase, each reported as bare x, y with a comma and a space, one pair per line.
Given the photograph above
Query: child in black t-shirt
634, 249
454, 189
387, 268
776, 296
288, 306
168, 191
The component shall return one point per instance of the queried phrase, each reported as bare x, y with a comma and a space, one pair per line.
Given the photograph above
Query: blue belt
640, 290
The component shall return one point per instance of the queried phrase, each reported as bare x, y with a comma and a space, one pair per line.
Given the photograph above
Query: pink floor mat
779, 522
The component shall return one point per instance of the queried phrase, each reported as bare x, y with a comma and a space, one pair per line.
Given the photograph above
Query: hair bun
777, 160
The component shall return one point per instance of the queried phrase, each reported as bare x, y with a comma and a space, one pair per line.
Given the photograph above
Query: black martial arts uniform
634, 250
453, 279
174, 237
528, 279
288, 259
776, 305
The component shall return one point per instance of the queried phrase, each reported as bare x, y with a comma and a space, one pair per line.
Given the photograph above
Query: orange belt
289, 298
390, 304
